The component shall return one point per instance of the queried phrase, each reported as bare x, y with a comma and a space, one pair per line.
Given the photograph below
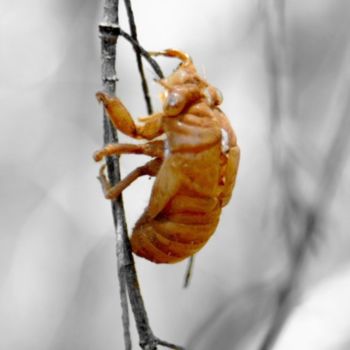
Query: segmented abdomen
182, 229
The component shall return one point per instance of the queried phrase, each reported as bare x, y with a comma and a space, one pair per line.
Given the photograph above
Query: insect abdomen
179, 232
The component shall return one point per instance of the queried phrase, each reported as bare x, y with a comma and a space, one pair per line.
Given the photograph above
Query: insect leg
184, 57
166, 185
123, 121
153, 149
113, 192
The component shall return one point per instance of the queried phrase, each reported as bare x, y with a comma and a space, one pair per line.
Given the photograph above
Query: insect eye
174, 103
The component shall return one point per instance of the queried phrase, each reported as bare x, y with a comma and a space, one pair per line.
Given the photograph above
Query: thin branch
128, 281
138, 56
123, 295
280, 107
312, 215
169, 345
189, 271
313, 218
109, 36
143, 52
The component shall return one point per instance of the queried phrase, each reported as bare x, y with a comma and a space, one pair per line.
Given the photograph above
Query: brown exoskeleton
195, 166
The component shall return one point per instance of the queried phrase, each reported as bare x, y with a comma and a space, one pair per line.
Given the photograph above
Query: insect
195, 161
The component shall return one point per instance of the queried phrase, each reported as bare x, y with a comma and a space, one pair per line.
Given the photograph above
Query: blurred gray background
285, 87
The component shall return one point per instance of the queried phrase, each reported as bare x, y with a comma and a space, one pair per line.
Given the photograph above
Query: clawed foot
99, 155
104, 181
102, 97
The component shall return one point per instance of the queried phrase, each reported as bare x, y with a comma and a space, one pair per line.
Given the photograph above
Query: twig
123, 292
311, 215
280, 107
313, 218
128, 281
189, 271
143, 52
109, 35
138, 56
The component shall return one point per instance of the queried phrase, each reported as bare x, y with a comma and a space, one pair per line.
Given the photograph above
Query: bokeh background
285, 81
